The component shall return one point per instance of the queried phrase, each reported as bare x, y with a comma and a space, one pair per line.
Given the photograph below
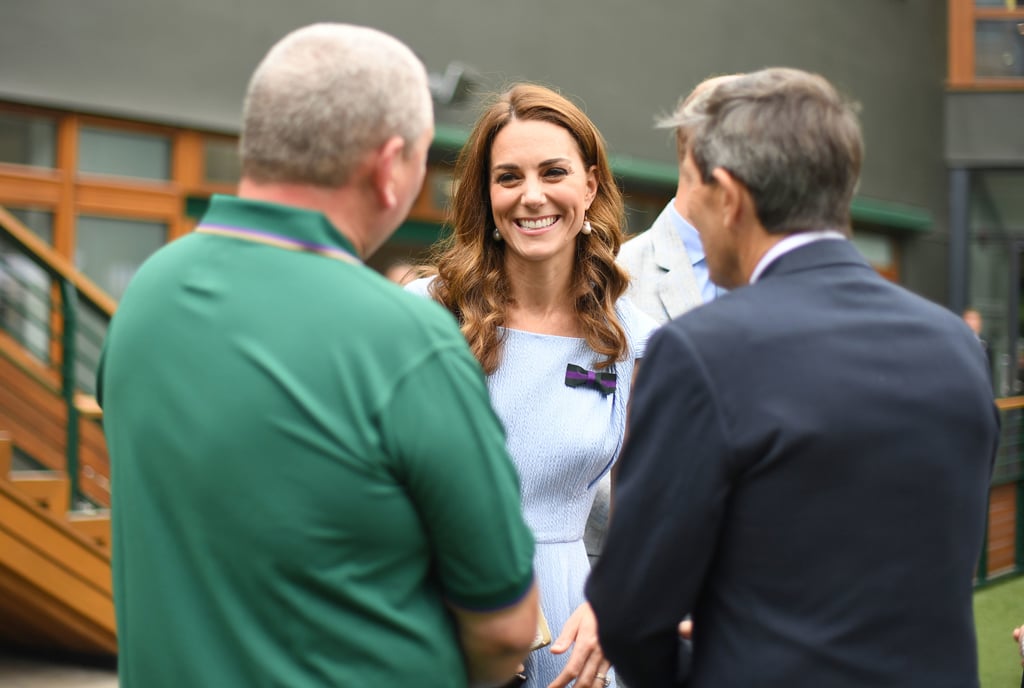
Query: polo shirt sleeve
449, 452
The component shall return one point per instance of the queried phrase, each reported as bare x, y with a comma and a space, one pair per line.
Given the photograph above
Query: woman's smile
536, 225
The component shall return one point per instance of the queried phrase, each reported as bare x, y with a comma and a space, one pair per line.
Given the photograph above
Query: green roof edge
890, 214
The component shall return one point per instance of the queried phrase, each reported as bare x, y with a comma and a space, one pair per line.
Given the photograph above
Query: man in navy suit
809, 456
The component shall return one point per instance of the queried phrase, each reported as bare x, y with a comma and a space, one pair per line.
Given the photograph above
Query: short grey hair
790, 139
681, 119
324, 96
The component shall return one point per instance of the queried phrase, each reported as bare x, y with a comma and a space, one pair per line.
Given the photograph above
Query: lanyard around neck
287, 243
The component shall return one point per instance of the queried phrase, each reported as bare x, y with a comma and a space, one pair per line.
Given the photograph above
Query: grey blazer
661, 277
662, 285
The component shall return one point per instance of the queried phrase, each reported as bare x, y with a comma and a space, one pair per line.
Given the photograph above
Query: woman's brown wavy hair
470, 264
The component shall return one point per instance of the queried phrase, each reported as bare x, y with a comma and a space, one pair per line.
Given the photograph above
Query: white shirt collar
790, 243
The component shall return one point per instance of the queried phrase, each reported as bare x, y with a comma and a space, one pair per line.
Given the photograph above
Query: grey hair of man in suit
789, 138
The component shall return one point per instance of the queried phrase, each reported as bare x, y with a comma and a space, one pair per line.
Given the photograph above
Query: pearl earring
496, 234
587, 229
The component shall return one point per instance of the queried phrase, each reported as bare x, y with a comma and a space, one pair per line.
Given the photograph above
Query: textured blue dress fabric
562, 440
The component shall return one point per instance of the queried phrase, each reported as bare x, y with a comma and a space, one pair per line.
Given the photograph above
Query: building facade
118, 117
984, 150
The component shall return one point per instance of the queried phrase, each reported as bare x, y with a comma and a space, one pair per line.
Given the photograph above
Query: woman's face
540, 190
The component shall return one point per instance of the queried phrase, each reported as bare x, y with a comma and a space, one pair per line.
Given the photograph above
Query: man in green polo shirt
309, 485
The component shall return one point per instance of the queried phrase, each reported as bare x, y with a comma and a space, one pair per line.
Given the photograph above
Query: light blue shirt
709, 291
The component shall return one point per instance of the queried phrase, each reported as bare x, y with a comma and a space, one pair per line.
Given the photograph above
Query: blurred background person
401, 272
974, 321
972, 316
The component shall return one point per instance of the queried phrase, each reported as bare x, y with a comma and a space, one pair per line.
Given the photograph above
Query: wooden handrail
13, 351
88, 407
56, 264
991, 13
1010, 403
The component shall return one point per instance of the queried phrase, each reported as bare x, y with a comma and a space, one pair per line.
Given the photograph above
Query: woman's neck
542, 300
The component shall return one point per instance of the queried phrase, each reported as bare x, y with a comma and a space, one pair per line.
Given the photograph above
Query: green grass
998, 609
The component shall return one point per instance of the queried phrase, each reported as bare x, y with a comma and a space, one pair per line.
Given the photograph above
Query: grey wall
626, 61
985, 129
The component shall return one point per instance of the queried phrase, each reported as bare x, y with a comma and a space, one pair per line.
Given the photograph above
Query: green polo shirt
305, 468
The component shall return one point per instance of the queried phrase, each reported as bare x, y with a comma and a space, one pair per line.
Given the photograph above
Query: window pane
27, 140
876, 248
92, 328
39, 221
997, 202
999, 48
24, 299
124, 153
442, 188
996, 225
641, 212
109, 251
220, 161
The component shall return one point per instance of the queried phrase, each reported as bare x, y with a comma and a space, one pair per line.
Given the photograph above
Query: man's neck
751, 252
339, 205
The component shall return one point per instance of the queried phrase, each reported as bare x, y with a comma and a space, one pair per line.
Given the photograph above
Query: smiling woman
480, 280
529, 270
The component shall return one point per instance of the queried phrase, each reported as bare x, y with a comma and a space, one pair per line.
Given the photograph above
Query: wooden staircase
32, 410
55, 584
55, 575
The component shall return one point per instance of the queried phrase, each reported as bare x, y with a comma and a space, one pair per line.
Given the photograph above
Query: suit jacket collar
817, 254
677, 288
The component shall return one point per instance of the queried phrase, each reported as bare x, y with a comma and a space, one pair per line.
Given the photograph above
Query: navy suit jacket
806, 473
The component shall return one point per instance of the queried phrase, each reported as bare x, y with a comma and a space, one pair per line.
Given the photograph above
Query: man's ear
733, 196
384, 168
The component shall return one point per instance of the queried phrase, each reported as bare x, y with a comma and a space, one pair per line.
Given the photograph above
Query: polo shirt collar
309, 227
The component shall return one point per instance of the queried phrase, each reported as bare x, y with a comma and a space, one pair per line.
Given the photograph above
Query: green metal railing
1007, 479
59, 318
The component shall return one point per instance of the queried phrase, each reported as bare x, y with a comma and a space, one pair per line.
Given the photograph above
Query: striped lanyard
287, 243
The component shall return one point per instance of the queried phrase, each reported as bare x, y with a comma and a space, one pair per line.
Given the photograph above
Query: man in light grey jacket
668, 275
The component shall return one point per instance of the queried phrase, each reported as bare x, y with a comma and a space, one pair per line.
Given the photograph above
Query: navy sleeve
670, 499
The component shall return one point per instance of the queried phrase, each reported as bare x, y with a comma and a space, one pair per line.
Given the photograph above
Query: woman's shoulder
637, 324
634, 319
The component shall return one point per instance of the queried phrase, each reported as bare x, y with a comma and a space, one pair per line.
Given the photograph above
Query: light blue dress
562, 440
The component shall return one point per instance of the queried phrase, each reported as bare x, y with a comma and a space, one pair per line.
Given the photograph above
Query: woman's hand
587, 663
